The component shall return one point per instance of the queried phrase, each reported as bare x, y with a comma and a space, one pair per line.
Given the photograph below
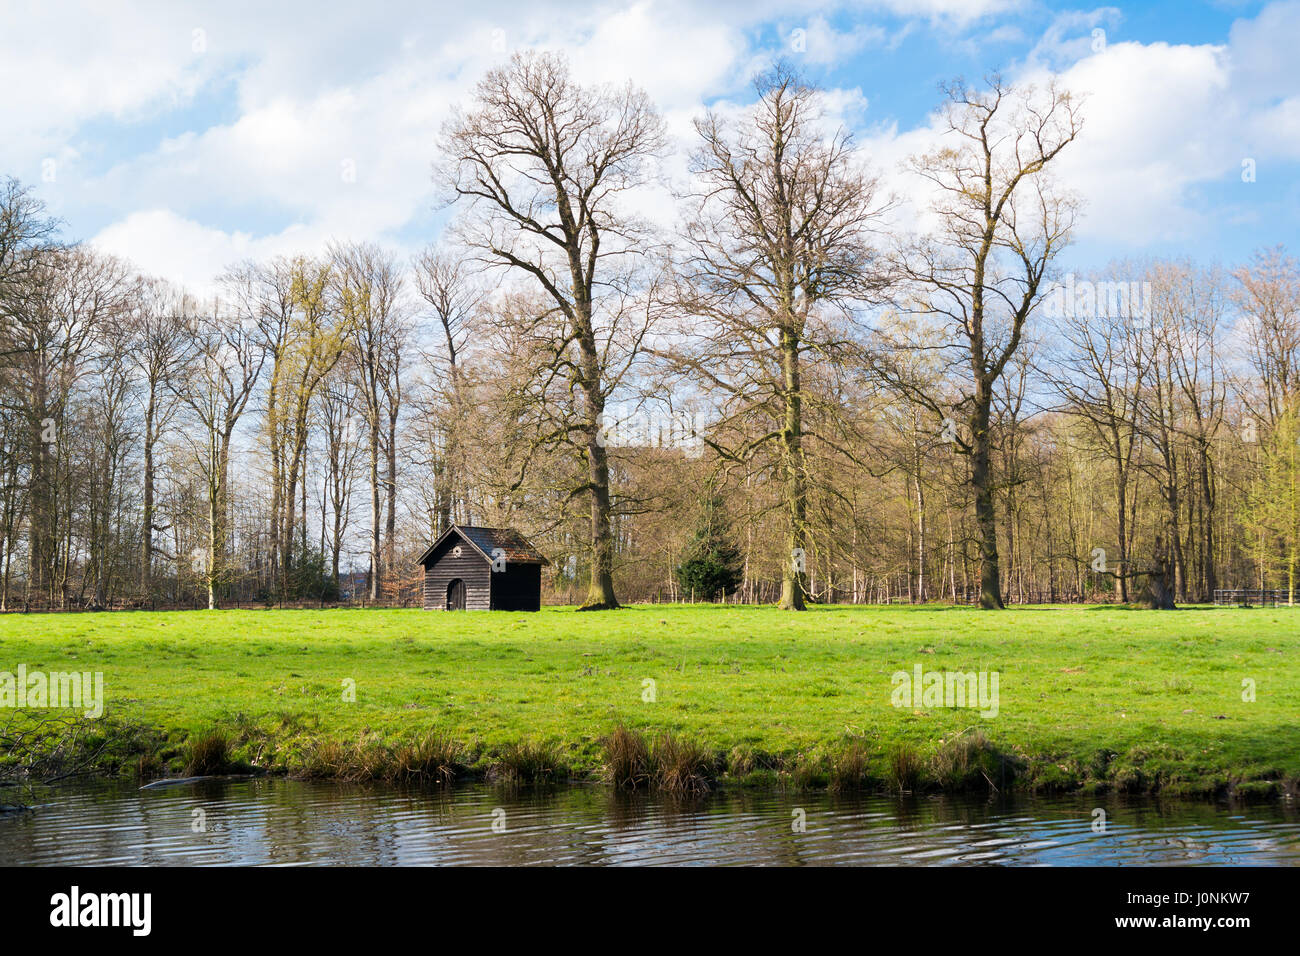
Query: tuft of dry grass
671, 763
432, 758
806, 770
627, 758
528, 762
969, 761
904, 767
207, 754
681, 765
324, 758
851, 768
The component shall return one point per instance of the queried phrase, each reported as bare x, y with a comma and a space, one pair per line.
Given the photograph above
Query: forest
781, 390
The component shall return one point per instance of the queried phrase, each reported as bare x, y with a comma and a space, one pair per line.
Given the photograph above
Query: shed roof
516, 548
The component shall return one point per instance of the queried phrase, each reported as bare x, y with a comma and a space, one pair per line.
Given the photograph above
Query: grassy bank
1088, 696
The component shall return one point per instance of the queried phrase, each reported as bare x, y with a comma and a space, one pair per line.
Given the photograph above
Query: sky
188, 137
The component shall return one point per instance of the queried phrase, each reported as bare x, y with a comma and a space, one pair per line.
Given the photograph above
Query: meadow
1089, 696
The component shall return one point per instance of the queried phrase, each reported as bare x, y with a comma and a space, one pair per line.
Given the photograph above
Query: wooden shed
482, 569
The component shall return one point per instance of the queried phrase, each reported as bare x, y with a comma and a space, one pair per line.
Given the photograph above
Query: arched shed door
456, 595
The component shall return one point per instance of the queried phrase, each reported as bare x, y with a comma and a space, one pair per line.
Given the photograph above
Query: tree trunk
1159, 593
982, 483
600, 592
1210, 582
277, 477
921, 595
390, 527
1121, 496
214, 522
375, 528
794, 577
146, 544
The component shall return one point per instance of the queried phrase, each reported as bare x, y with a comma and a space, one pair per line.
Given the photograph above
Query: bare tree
72, 294
1183, 413
339, 396
263, 296
1099, 368
778, 238
157, 333
25, 230
443, 283
368, 295
1268, 296
223, 364
982, 273
545, 165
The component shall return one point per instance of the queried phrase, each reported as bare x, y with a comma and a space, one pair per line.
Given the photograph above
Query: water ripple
289, 823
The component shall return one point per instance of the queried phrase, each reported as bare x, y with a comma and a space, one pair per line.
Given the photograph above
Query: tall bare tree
336, 411
443, 283
545, 166
72, 294
982, 271
367, 292
157, 330
1099, 366
25, 230
262, 294
777, 240
222, 366
1268, 297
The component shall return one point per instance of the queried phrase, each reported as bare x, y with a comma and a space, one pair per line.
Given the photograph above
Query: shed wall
517, 588
469, 566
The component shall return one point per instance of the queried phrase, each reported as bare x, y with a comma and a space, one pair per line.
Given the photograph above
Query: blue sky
187, 139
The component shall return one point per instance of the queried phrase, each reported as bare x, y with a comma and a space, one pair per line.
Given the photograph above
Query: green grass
1089, 696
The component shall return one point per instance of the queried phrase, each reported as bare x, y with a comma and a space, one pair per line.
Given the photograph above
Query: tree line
784, 396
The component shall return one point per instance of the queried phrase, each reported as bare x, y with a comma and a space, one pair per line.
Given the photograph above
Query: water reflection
281, 822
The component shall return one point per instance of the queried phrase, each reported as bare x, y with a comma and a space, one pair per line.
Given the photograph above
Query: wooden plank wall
468, 566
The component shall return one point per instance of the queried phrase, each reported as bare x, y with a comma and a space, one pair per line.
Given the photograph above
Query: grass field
1088, 696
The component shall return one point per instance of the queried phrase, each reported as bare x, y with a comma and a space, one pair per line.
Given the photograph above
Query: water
283, 822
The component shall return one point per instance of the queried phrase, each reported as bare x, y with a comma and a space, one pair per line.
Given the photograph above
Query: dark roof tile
513, 545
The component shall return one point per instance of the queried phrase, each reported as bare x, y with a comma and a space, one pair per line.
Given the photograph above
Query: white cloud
822, 44
299, 95
353, 159
60, 70
647, 46
953, 12
1160, 121
180, 249
1155, 123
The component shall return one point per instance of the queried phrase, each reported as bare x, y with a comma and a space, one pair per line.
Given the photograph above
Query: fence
200, 602
1250, 597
